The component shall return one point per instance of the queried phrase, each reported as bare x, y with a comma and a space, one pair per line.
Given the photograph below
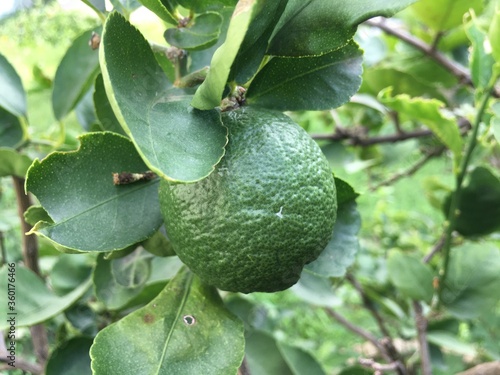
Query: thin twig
421, 324
368, 303
435, 249
410, 171
30, 257
460, 72
21, 364
380, 367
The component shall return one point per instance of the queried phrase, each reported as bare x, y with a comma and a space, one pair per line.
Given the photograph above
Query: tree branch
30, 257
421, 324
460, 72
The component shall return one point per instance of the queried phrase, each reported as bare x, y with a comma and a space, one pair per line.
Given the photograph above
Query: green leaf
209, 94
69, 272
75, 75
12, 95
85, 112
84, 319
340, 251
103, 108
300, 361
176, 141
184, 330
481, 60
12, 130
345, 192
427, 111
316, 27
35, 302
445, 14
478, 204
472, 285
98, 5
34, 214
494, 34
70, 358
316, 290
107, 289
308, 83
410, 276
451, 343
495, 121
133, 270
263, 356
162, 9
159, 244
13, 163
254, 45
202, 32
90, 213
200, 6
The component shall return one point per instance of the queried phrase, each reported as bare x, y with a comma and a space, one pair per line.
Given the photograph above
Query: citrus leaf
315, 290
13, 163
481, 60
308, 83
162, 9
495, 121
84, 110
176, 141
132, 270
345, 192
12, 95
200, 6
107, 289
69, 272
103, 108
202, 32
12, 131
410, 276
184, 330
472, 285
428, 112
340, 251
35, 302
70, 358
445, 14
90, 213
98, 6
300, 361
126, 7
263, 356
478, 204
316, 27
159, 244
34, 214
75, 74
450, 342
209, 94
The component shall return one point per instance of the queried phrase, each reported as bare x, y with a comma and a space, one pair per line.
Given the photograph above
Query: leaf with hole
185, 330
90, 213
176, 141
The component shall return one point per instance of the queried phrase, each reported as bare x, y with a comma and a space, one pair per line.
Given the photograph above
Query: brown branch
421, 324
379, 368
21, 364
389, 357
435, 249
460, 72
410, 171
30, 257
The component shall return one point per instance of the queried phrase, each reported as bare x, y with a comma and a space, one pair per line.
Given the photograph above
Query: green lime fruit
267, 210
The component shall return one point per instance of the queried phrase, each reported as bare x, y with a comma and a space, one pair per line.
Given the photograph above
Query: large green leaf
472, 285
202, 32
70, 358
427, 111
75, 74
478, 204
209, 94
340, 251
90, 213
176, 141
184, 330
445, 14
34, 302
308, 83
410, 276
316, 27
13, 163
12, 95
103, 108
